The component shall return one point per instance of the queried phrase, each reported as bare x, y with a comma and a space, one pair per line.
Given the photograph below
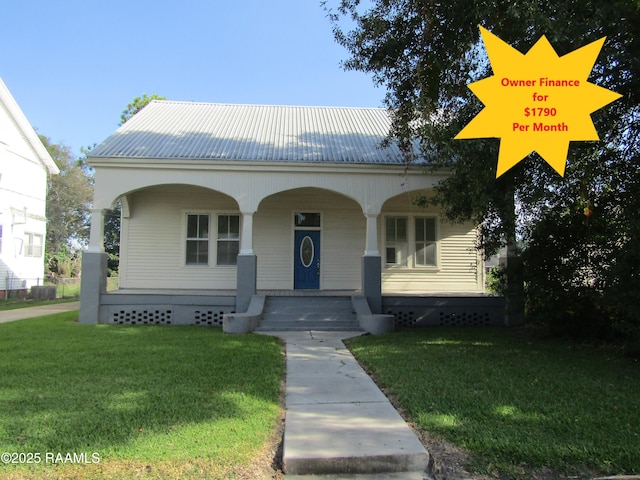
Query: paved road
30, 312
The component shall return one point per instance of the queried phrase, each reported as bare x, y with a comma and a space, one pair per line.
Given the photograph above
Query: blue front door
306, 260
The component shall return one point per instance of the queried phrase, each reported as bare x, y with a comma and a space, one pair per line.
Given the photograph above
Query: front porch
208, 307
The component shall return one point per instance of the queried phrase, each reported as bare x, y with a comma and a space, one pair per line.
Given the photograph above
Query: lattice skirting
166, 315
451, 312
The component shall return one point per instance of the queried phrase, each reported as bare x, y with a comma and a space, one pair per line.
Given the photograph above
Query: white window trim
411, 242
213, 237
28, 244
293, 220
408, 250
215, 246
185, 222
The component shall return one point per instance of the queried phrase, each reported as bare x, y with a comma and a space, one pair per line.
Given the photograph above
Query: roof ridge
223, 104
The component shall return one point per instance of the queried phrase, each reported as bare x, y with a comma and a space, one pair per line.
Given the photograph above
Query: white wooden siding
153, 240
458, 268
341, 241
23, 190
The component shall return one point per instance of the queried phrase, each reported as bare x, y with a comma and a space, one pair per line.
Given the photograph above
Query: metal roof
211, 131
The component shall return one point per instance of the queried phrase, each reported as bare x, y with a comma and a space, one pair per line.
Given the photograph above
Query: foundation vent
142, 317
208, 317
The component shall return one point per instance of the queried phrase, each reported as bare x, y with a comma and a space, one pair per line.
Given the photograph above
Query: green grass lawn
152, 402
14, 304
515, 404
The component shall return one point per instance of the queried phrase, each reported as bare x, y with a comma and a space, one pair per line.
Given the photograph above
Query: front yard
522, 408
135, 402
123, 402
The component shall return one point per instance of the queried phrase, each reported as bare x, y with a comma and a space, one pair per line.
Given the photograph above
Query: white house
24, 168
229, 200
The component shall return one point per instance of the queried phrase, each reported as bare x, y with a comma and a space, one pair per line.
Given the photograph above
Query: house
222, 201
24, 168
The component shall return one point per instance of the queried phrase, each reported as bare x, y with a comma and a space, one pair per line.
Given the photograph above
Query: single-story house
25, 166
222, 201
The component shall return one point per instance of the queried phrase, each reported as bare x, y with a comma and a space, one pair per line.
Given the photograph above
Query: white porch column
94, 271
246, 234
372, 264
96, 234
247, 268
371, 242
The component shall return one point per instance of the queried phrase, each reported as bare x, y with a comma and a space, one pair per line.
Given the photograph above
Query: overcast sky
74, 65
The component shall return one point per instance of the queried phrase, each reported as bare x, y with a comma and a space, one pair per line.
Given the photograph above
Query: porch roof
252, 133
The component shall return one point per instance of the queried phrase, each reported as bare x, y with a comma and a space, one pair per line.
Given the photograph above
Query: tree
112, 217
69, 198
136, 105
585, 224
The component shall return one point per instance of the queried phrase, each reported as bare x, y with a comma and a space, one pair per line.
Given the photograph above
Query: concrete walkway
30, 312
338, 422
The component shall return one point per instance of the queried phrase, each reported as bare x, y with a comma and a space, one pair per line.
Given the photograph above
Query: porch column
93, 281
246, 235
247, 268
372, 265
96, 234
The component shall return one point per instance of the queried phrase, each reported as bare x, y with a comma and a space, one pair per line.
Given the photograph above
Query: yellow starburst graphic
537, 101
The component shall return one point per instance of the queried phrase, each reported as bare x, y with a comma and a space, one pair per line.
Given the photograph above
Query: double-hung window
228, 239
396, 241
411, 242
198, 239
425, 233
33, 245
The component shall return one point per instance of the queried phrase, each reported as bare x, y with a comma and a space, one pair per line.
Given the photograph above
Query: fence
17, 287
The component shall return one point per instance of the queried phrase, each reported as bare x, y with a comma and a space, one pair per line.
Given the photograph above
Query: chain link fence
12, 287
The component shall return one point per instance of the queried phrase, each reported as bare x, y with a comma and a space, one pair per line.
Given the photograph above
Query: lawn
14, 304
150, 402
517, 405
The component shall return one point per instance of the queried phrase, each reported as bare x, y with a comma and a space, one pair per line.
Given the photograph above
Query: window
411, 242
425, 242
396, 241
197, 239
228, 239
33, 247
306, 219
0, 238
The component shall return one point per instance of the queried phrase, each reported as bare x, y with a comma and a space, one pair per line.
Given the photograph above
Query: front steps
308, 313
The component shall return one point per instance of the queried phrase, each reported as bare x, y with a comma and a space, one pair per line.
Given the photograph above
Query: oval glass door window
306, 251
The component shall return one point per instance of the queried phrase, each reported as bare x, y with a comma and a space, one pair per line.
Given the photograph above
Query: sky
74, 65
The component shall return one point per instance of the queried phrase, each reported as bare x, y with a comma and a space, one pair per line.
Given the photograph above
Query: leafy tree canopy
579, 232
69, 197
136, 105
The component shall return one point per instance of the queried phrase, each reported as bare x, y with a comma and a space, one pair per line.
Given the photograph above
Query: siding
457, 270
153, 237
23, 188
153, 240
342, 238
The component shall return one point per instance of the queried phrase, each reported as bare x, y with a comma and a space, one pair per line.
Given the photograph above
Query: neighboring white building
24, 168
244, 198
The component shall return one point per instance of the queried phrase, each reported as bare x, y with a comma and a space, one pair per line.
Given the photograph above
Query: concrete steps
308, 313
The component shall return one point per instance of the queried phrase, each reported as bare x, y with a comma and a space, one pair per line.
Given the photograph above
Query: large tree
578, 231
69, 197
